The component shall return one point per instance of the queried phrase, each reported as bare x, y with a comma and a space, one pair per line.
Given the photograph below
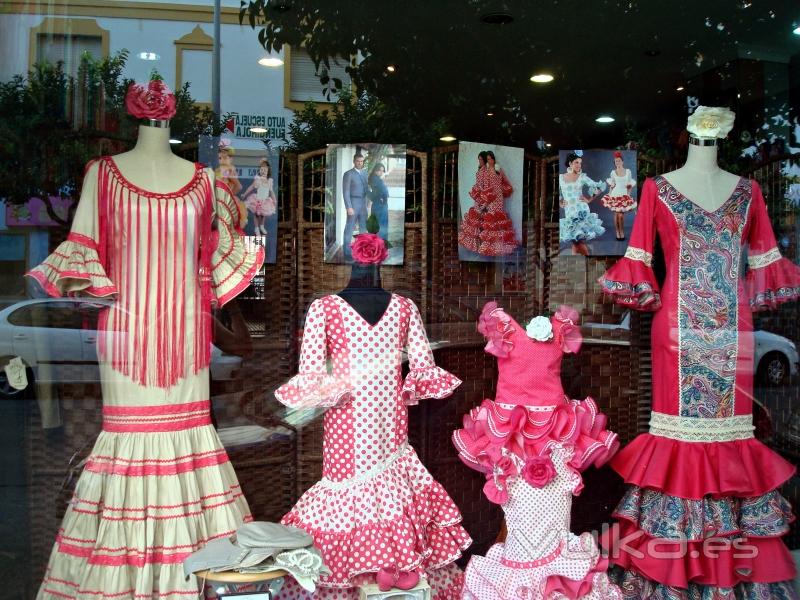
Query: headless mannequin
700, 179
151, 165
365, 294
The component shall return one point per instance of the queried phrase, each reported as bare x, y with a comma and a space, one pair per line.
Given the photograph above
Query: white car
62, 333
775, 356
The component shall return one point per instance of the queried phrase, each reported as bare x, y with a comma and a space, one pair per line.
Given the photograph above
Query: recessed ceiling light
174, 141
604, 119
497, 17
270, 61
258, 130
542, 78
679, 88
390, 68
548, 144
448, 138
490, 114
796, 30
148, 56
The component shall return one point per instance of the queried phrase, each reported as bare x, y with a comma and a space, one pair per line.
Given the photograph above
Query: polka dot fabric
541, 558
376, 505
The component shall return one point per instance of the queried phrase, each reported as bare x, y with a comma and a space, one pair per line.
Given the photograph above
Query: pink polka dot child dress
376, 505
532, 442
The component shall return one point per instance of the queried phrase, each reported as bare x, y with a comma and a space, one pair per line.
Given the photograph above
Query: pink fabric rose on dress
152, 101
369, 249
538, 471
501, 469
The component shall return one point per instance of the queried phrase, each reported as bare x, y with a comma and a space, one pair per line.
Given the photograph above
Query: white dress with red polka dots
376, 505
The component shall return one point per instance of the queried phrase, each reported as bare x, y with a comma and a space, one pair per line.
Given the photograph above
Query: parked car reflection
775, 357
57, 340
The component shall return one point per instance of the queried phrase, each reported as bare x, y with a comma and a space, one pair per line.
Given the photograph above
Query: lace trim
756, 261
698, 429
638, 254
369, 473
535, 408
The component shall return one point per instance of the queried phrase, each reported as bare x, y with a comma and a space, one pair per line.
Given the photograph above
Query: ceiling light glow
448, 138
604, 119
258, 130
270, 61
679, 88
174, 141
148, 56
390, 68
542, 78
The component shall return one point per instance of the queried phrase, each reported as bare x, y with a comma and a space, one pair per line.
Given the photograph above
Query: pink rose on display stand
152, 101
369, 249
538, 471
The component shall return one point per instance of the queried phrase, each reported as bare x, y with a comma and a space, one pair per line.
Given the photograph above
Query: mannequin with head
151, 165
700, 179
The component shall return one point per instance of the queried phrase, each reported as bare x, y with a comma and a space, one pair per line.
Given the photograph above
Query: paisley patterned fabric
672, 518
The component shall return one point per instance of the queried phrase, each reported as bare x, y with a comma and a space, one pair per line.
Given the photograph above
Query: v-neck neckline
357, 314
727, 201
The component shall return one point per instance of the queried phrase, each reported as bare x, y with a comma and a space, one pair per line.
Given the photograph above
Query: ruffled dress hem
772, 285
400, 516
632, 283
741, 468
428, 383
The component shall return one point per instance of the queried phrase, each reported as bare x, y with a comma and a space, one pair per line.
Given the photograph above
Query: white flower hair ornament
711, 122
540, 329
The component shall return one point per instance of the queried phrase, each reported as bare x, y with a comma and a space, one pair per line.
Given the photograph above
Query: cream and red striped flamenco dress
158, 484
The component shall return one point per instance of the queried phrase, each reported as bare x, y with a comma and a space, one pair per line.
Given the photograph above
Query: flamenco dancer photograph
597, 201
490, 199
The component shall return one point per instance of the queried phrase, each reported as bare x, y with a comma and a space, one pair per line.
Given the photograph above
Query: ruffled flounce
576, 425
718, 561
134, 519
579, 572
636, 587
580, 226
430, 382
233, 266
446, 583
399, 517
262, 207
672, 518
495, 325
619, 203
74, 269
742, 468
633, 284
314, 390
489, 233
767, 287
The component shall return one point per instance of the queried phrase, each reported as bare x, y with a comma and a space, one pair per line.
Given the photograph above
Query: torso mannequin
365, 294
701, 180
151, 165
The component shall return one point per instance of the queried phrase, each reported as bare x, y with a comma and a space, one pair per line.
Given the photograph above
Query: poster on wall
366, 193
490, 202
597, 194
251, 177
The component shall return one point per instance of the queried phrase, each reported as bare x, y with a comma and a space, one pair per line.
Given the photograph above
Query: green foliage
52, 124
357, 119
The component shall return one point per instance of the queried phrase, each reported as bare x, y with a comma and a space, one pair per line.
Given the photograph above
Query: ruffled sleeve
75, 267
771, 279
631, 280
495, 325
565, 322
424, 379
233, 266
313, 386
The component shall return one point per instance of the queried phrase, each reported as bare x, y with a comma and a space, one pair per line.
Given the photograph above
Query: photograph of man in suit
354, 190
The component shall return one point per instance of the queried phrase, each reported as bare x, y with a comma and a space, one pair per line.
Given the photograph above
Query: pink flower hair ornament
154, 101
369, 249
